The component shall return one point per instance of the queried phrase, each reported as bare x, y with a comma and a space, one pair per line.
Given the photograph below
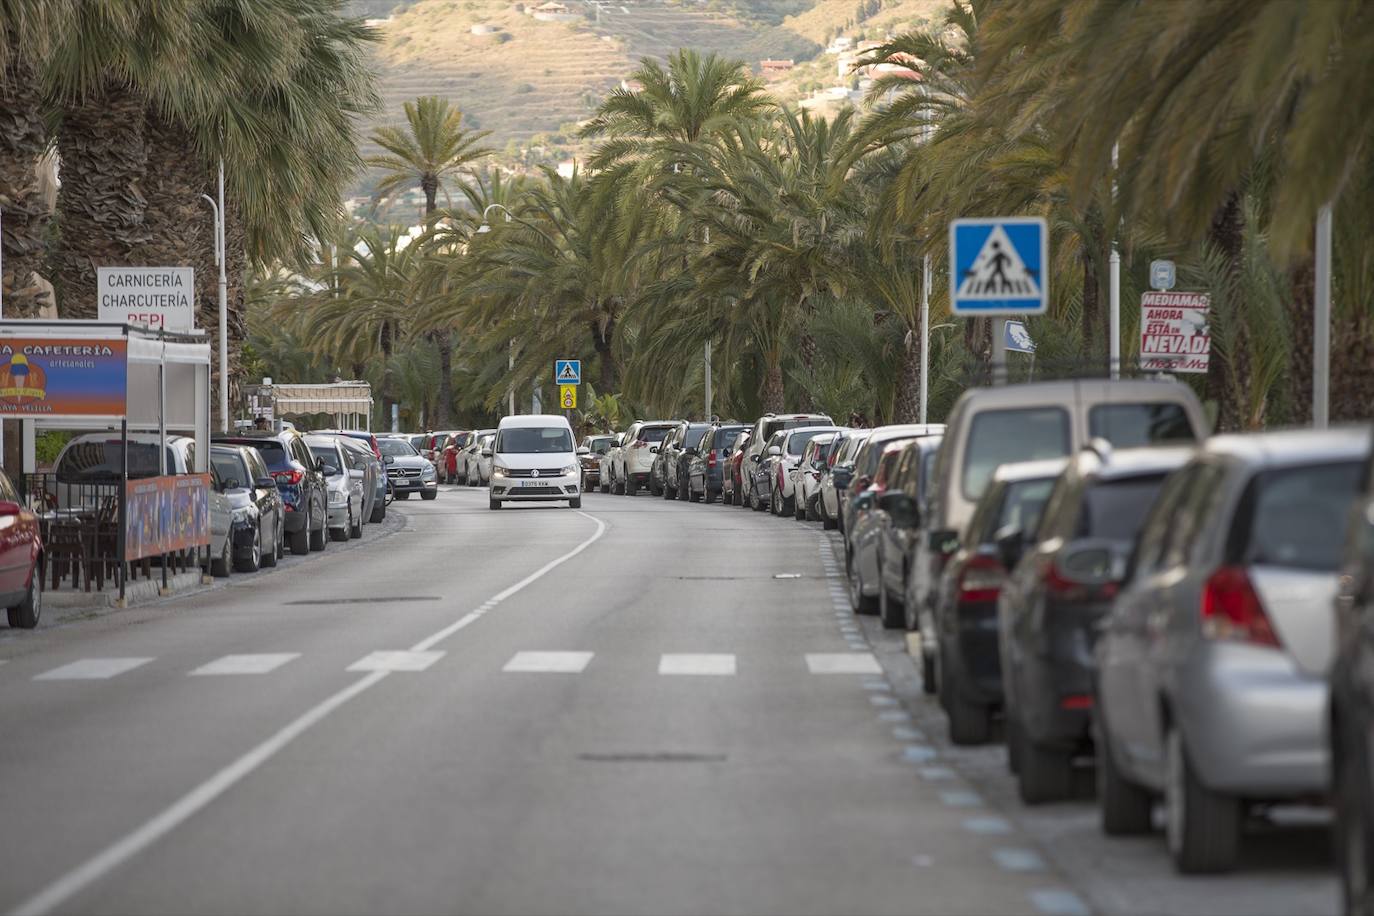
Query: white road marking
842, 663
697, 664
882, 699
112, 857
92, 669
395, 661
918, 753
548, 662
1058, 902
247, 664
935, 774
1012, 859
894, 715
987, 825
961, 798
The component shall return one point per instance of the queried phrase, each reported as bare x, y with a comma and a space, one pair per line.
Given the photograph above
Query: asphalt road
642, 707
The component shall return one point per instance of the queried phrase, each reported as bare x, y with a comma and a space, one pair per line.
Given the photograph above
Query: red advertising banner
61, 377
1174, 334
167, 514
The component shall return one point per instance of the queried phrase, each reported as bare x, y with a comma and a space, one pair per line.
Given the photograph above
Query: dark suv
300, 480
706, 469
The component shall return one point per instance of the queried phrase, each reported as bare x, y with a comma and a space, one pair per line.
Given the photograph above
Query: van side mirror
486, 453
583, 450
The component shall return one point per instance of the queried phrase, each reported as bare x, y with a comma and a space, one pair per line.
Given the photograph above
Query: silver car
344, 491
1211, 687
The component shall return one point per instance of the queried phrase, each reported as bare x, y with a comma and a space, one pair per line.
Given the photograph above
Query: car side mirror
774, 451
583, 450
689, 451
389, 459
756, 458
943, 542
265, 483
1011, 543
356, 474
486, 453
901, 508
863, 501
319, 466
1091, 563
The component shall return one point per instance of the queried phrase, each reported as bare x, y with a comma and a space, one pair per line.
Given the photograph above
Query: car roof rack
1100, 447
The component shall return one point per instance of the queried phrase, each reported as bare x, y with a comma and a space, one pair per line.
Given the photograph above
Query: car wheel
927, 672
1125, 806
270, 557
378, 512
1354, 849
220, 565
429, 494
355, 529
631, 488
254, 561
1043, 774
341, 533
890, 610
26, 614
604, 486
575, 503
1203, 827
861, 603
493, 503
665, 493
799, 509
319, 540
828, 523
969, 723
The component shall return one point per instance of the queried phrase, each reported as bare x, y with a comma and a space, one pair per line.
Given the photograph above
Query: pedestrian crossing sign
999, 266
567, 397
567, 371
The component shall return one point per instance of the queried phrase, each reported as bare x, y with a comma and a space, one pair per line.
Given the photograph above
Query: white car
634, 457
603, 479
833, 484
794, 442
475, 471
806, 477
534, 457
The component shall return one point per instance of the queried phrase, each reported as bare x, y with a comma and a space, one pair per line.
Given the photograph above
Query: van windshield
1138, 425
999, 437
533, 440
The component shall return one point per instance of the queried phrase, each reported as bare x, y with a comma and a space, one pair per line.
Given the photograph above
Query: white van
534, 457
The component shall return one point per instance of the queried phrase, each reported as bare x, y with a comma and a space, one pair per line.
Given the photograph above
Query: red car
21, 559
731, 485
448, 466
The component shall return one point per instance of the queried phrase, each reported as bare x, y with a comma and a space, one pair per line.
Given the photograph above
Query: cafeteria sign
53, 377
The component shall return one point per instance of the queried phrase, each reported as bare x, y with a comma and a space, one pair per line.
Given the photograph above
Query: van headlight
500, 470
571, 469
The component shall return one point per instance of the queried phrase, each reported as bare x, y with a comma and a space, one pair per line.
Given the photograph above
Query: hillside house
772, 69
553, 11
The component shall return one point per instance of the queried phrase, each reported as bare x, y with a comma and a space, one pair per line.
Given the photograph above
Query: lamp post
1114, 292
218, 208
510, 359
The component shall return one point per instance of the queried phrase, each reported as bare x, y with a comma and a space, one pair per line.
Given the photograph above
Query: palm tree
431, 149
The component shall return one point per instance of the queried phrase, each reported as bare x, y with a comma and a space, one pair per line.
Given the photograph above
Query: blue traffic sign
1018, 338
567, 371
999, 266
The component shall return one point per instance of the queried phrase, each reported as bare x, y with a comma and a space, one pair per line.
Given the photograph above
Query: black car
968, 671
300, 480
679, 457
706, 469
1055, 597
1352, 708
258, 530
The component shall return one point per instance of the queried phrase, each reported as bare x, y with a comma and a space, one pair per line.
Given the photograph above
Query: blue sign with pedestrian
567, 371
999, 266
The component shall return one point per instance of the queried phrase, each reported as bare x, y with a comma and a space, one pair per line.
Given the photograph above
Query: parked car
663, 451
604, 463
634, 457
450, 459
1055, 598
434, 451
1351, 715
299, 480
534, 458
98, 458
899, 533
345, 492
589, 455
376, 470
220, 510
840, 471
861, 525
967, 668
732, 476
408, 470
806, 477
760, 475
1212, 667
258, 523
706, 470
759, 437
866, 467
782, 497
21, 560
474, 472
367, 471
686, 445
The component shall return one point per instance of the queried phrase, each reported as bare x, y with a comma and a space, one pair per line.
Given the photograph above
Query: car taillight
981, 580
1231, 610
290, 477
711, 459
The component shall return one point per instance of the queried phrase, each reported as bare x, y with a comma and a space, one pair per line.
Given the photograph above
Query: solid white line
77, 880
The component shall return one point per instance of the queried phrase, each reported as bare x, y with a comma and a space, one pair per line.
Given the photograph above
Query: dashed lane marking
1011, 859
842, 663
961, 798
246, 664
92, 669
1056, 901
395, 661
988, 825
697, 664
548, 662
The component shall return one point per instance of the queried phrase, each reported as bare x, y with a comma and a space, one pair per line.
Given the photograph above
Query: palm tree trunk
101, 204
444, 409
386, 344
1227, 378
1301, 308
1352, 369
1092, 308
23, 138
908, 406
772, 385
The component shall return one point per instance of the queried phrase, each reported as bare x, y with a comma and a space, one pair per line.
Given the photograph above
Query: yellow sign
567, 396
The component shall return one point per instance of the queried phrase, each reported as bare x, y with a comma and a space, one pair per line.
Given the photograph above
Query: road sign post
567, 397
999, 266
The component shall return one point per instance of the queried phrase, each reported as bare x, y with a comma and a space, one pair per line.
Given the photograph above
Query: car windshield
693, 436
653, 433
1116, 509
726, 438
533, 440
84, 462
1136, 425
773, 426
229, 467
796, 443
601, 444
329, 456
396, 448
999, 437
1297, 516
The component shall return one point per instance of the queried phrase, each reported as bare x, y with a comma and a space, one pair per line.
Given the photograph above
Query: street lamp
218, 208
486, 227
510, 358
